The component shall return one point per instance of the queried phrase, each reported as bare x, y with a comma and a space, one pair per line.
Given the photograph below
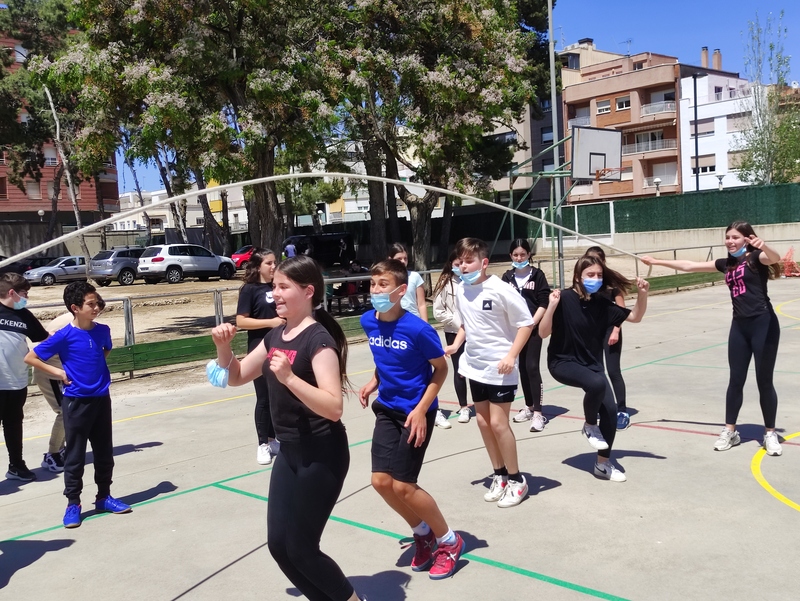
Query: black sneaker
20, 472
53, 462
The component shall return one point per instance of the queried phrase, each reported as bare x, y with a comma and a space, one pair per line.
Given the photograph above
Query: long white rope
276, 178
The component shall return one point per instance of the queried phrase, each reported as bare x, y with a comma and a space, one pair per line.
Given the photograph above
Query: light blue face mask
380, 301
740, 252
592, 285
218, 376
520, 264
470, 278
21, 303
457, 271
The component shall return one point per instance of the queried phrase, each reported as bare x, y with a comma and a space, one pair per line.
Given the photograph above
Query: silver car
119, 264
173, 262
63, 269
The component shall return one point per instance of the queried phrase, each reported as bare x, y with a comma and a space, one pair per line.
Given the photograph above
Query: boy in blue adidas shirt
82, 347
410, 368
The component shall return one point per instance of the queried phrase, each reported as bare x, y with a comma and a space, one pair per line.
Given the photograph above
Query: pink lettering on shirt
289, 354
735, 280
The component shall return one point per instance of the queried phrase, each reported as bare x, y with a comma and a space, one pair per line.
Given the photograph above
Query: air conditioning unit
795, 85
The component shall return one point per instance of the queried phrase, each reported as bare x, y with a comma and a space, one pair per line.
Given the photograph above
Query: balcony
650, 146
671, 179
50, 162
579, 122
666, 106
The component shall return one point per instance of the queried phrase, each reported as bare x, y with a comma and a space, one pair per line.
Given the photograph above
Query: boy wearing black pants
16, 324
83, 346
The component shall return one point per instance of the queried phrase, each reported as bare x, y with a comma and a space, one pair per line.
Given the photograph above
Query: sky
677, 28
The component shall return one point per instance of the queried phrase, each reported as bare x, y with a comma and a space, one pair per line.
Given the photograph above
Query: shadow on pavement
18, 554
585, 461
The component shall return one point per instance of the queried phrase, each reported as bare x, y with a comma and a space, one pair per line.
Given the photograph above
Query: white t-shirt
409, 300
491, 312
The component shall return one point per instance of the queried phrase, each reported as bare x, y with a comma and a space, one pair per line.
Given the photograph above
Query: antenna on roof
561, 35
629, 41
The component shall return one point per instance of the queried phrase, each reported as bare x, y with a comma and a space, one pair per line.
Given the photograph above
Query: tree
770, 141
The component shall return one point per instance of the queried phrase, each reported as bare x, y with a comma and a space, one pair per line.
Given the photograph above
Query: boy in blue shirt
410, 368
83, 346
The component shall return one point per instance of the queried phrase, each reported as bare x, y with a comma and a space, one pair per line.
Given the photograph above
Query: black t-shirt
292, 419
748, 284
579, 329
255, 300
535, 291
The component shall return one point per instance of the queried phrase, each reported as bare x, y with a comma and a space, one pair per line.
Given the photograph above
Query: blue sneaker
623, 420
72, 516
112, 505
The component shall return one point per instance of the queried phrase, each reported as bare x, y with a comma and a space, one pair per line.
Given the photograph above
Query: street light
40, 213
719, 177
657, 182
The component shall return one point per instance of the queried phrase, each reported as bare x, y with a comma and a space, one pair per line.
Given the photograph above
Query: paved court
689, 523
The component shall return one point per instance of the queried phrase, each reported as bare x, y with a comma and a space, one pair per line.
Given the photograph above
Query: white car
173, 262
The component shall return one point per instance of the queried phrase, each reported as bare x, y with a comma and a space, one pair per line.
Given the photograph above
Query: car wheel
104, 283
48, 279
126, 277
151, 280
225, 271
174, 275
203, 278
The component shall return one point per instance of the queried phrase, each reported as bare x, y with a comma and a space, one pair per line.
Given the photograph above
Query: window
545, 104
603, 106
703, 127
236, 219
3, 188
717, 92
638, 66
198, 221
20, 54
735, 159
548, 165
626, 174
704, 164
50, 157
547, 135
199, 251
24, 117
739, 121
623, 103
156, 224
34, 190
68, 263
51, 189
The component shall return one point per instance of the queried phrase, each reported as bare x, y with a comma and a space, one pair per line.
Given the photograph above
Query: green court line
242, 492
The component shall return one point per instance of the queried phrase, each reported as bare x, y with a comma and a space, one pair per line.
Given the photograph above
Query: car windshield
54, 262
151, 251
103, 255
243, 250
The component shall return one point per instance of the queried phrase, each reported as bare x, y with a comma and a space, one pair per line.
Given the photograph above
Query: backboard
596, 154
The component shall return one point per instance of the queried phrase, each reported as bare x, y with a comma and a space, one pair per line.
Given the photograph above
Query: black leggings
264, 427
529, 373
598, 397
306, 480
11, 415
757, 336
613, 354
459, 381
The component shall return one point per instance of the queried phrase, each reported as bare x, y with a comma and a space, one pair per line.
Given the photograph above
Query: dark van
334, 248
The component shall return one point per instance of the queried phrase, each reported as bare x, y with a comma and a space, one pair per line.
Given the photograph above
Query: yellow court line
725, 302
779, 310
755, 467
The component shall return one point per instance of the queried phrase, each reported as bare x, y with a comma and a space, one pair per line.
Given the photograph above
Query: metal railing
579, 121
670, 179
650, 146
731, 94
666, 106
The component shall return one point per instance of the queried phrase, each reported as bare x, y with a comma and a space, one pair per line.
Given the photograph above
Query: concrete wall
93, 242
18, 237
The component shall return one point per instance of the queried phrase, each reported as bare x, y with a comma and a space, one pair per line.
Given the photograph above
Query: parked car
119, 264
328, 249
34, 262
242, 256
63, 269
19, 267
174, 262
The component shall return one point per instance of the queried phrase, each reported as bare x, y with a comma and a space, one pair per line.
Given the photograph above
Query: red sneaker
424, 546
446, 558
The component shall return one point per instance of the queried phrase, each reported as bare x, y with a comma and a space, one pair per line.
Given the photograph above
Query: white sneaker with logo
727, 439
264, 454
525, 414
497, 489
538, 422
441, 421
514, 493
771, 443
464, 415
595, 437
608, 471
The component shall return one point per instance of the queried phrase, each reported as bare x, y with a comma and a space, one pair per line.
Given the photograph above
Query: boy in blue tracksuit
82, 347
410, 368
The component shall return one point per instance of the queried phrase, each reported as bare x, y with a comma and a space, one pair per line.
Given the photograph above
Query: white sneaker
595, 438
264, 454
464, 415
538, 422
525, 414
727, 439
771, 443
608, 471
497, 489
442, 421
514, 493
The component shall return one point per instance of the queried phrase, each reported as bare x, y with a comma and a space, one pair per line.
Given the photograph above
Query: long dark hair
520, 243
397, 248
611, 279
446, 277
252, 268
305, 271
746, 230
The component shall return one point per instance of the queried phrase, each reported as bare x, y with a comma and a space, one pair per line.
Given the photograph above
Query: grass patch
682, 280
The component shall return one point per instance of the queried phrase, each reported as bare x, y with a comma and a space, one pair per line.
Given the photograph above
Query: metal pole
556, 161
127, 311
696, 141
219, 316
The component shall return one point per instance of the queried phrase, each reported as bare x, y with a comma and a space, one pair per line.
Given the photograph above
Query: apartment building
639, 95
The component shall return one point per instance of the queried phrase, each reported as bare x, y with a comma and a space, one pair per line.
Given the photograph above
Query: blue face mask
740, 252
380, 301
520, 264
592, 285
21, 303
457, 272
218, 376
470, 278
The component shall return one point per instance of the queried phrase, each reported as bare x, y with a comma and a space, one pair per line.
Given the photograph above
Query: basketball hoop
602, 173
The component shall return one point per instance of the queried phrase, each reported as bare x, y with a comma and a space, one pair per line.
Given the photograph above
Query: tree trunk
51, 226
145, 216
180, 220
377, 202
265, 222
101, 209
391, 209
420, 210
226, 226
447, 220
216, 234
316, 223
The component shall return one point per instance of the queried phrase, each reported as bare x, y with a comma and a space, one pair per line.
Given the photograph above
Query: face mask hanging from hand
218, 376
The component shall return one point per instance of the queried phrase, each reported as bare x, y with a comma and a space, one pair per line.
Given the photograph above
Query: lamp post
696, 142
657, 182
719, 177
40, 213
